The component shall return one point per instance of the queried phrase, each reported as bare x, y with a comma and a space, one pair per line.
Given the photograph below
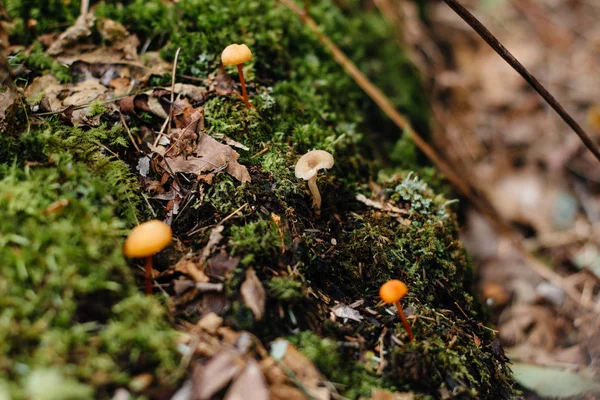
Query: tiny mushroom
391, 292
307, 167
237, 54
145, 240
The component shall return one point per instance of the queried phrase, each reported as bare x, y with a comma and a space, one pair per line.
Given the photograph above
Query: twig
169, 117
517, 66
227, 218
85, 7
129, 132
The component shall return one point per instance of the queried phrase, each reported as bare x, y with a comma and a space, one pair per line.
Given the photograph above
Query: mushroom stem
148, 270
314, 190
244, 93
404, 321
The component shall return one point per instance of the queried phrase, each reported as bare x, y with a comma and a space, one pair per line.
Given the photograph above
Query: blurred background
505, 140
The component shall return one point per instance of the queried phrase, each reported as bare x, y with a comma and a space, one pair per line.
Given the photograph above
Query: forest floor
125, 114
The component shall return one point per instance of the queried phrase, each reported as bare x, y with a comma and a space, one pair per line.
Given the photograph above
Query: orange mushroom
391, 292
237, 54
145, 240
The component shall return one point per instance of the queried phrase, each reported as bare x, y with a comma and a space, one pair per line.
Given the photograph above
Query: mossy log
73, 321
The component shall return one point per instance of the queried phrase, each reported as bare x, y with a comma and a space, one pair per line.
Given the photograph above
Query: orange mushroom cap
147, 239
235, 54
392, 291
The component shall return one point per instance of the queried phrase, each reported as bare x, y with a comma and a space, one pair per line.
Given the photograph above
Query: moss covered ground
71, 313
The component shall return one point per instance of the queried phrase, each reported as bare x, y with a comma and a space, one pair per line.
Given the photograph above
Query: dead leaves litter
210, 156
253, 294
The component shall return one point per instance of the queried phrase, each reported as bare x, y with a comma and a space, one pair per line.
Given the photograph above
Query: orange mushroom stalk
391, 292
144, 241
237, 54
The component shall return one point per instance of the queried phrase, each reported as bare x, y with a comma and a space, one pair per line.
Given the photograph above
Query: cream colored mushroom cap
309, 164
235, 54
147, 239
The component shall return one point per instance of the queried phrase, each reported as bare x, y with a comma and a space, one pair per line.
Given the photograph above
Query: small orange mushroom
237, 54
145, 240
391, 292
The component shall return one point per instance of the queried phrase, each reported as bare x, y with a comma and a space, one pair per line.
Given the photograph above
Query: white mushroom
307, 167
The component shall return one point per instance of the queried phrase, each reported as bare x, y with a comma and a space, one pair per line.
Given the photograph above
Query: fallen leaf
249, 385
233, 143
7, 99
379, 394
253, 294
213, 376
281, 391
210, 323
222, 83
188, 267
301, 367
346, 312
212, 156
222, 264
554, 382
80, 29
213, 240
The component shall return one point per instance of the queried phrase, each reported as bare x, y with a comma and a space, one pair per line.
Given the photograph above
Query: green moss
285, 289
254, 238
36, 60
66, 287
349, 376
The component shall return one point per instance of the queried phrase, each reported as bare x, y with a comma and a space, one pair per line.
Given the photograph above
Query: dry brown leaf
213, 376
120, 85
249, 385
346, 312
119, 38
281, 391
253, 294
81, 29
193, 92
305, 371
210, 323
188, 267
213, 240
379, 394
222, 83
221, 264
229, 141
50, 88
7, 99
212, 156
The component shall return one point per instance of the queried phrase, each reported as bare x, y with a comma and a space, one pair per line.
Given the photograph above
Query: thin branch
129, 132
517, 66
170, 116
85, 7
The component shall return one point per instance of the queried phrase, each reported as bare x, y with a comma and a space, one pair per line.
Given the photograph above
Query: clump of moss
285, 289
66, 287
352, 378
70, 310
39, 63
